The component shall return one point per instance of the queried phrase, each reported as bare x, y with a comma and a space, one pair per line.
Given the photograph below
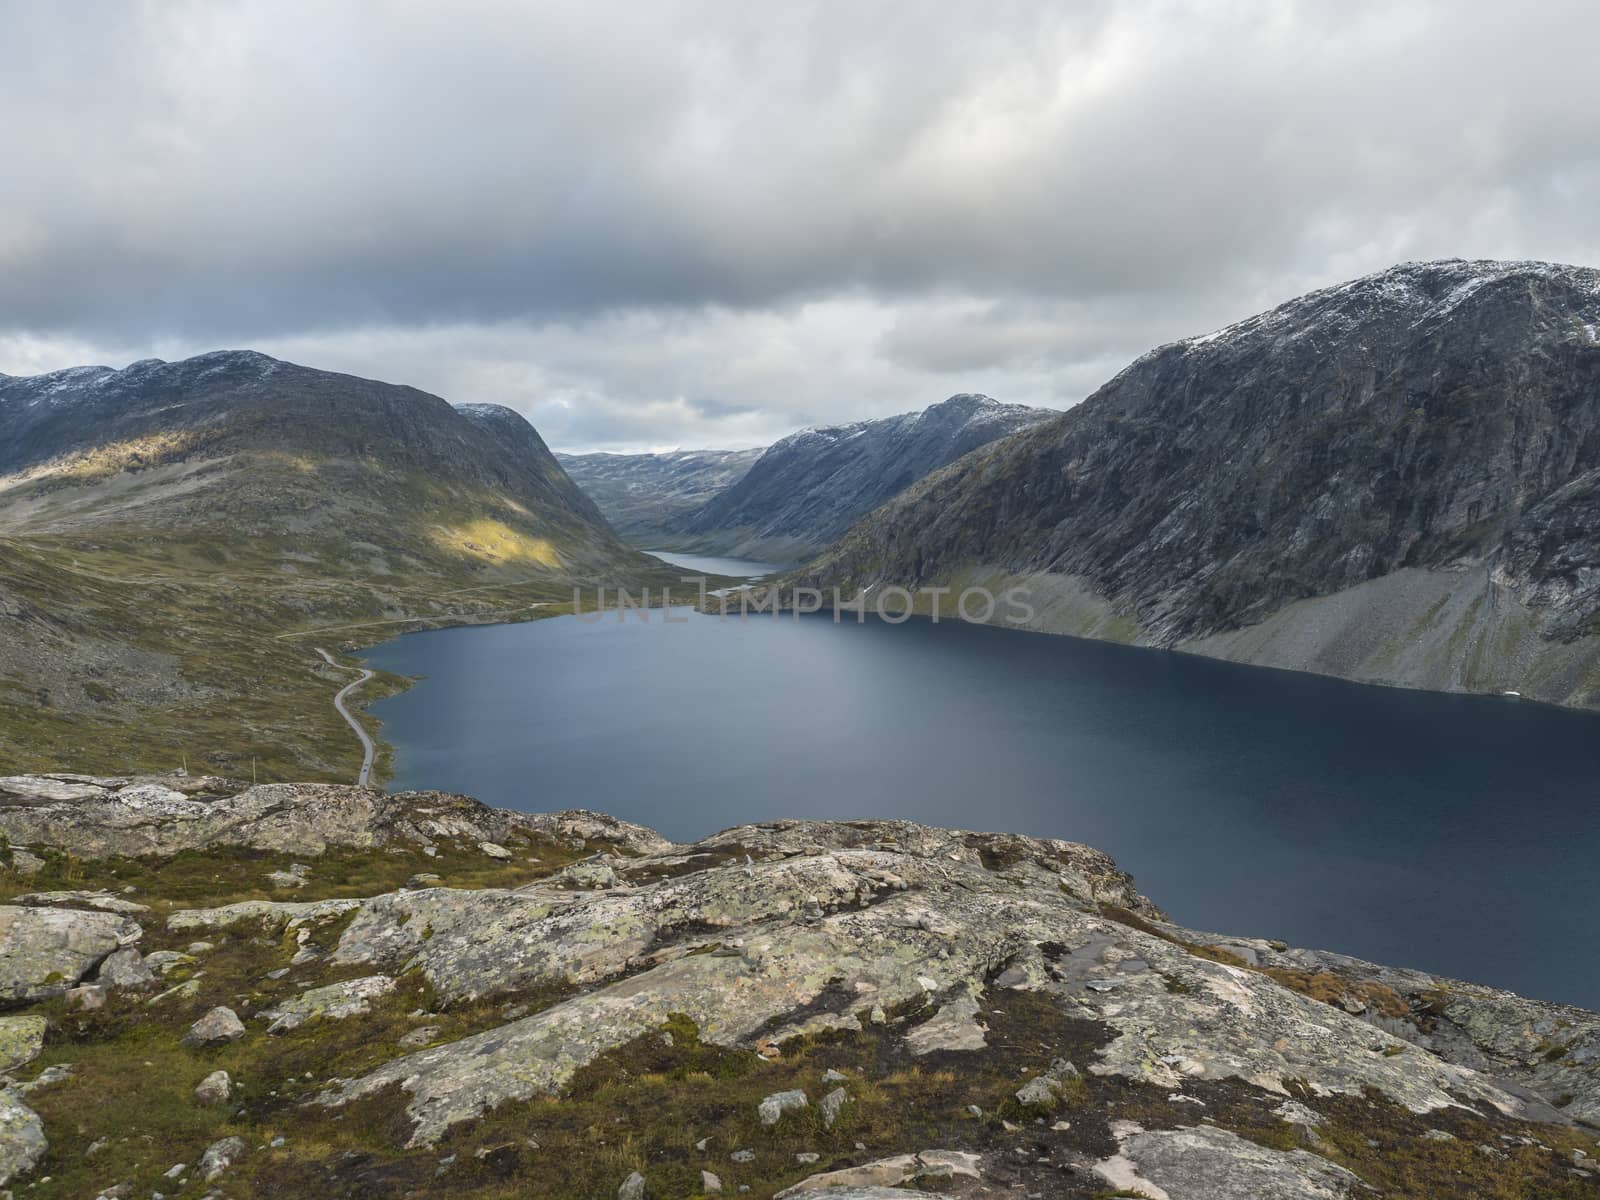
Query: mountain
645, 495
1395, 480
240, 442
807, 489
170, 529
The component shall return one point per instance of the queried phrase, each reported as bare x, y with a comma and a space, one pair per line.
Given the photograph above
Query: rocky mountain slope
296, 990
1393, 480
645, 496
168, 528
807, 489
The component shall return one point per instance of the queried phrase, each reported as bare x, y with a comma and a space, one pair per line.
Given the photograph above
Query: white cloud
707, 222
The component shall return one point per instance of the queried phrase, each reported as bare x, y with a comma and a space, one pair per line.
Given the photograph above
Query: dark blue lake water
1456, 834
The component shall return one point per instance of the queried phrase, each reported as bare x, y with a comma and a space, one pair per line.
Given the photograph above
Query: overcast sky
660, 224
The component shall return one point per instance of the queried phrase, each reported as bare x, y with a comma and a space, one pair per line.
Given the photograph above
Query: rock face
46, 951
810, 487
1393, 480
100, 818
645, 496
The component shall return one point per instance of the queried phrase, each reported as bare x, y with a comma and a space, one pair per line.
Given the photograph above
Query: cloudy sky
687, 224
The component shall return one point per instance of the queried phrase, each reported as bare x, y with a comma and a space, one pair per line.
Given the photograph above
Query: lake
1451, 833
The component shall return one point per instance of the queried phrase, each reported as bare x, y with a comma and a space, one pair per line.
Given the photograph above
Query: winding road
367, 746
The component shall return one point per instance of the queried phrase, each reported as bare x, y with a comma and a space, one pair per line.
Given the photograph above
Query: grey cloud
905, 199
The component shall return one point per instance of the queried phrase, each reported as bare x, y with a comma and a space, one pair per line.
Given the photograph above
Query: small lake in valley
1451, 833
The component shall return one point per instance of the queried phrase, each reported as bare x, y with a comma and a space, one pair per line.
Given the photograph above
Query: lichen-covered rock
22, 1140
221, 1155
218, 1026
772, 1108
335, 1002
101, 901
271, 916
215, 1088
1550, 1049
21, 1040
768, 931
1204, 1163
45, 951
879, 1177
125, 969
96, 818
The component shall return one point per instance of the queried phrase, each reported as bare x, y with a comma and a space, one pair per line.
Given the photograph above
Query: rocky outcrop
46, 951
1392, 480
872, 1009
834, 921
807, 489
97, 818
1547, 1049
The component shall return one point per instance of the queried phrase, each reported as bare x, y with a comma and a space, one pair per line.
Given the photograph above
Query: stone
215, 1088
831, 1104
632, 1188
126, 969
220, 1156
22, 1140
21, 1040
954, 1027
771, 1109
710, 1183
335, 1002
87, 996
218, 1027
420, 1036
45, 951
495, 850
163, 961
24, 864
1040, 1092
743, 1156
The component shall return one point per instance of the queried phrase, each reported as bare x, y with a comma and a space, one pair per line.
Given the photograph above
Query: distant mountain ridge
808, 488
1396, 479
645, 496
238, 437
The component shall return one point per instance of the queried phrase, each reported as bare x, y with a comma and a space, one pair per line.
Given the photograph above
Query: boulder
218, 1027
215, 1088
335, 1002
126, 969
45, 951
771, 1109
221, 1155
21, 1040
22, 1140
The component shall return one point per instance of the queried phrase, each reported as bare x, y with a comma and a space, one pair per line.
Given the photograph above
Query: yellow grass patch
495, 542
